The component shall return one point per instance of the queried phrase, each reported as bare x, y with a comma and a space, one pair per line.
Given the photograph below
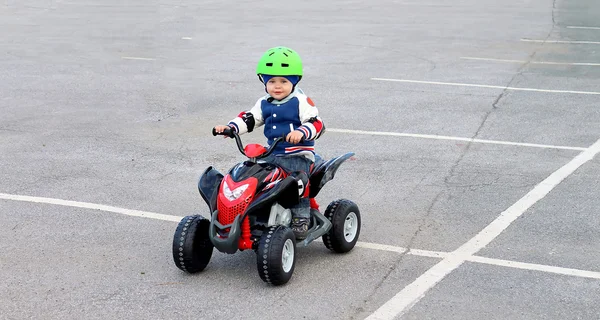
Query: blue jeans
293, 163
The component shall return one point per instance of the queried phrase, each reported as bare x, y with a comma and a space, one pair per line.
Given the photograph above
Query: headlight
236, 193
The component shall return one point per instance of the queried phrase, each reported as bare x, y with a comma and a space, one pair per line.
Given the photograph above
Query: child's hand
220, 129
294, 137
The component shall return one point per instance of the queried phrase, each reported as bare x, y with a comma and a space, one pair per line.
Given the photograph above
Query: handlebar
227, 132
232, 134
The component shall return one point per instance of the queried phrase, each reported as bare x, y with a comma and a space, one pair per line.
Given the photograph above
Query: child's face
279, 87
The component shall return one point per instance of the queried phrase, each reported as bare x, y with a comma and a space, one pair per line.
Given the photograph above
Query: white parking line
138, 58
536, 267
93, 206
427, 253
534, 62
186, 38
401, 250
483, 260
436, 137
382, 247
484, 86
577, 27
412, 293
561, 41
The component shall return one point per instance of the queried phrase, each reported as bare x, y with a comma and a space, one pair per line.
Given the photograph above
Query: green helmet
280, 61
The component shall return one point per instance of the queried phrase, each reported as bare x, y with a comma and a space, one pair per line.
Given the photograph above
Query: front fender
324, 172
208, 186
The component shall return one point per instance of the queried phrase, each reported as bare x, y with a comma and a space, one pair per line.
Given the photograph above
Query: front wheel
276, 255
345, 219
192, 247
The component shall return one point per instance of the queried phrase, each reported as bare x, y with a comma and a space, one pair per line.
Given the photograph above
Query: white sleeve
312, 125
246, 121
307, 108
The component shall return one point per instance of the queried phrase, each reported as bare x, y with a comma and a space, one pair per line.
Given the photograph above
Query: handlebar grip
227, 132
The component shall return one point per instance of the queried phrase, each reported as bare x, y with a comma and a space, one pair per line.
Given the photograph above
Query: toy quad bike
250, 210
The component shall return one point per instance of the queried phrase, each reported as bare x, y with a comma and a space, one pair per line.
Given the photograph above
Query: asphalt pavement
456, 111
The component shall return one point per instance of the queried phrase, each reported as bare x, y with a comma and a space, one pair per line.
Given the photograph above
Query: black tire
269, 255
192, 247
337, 212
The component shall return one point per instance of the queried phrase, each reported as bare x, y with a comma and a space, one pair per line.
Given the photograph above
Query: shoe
300, 227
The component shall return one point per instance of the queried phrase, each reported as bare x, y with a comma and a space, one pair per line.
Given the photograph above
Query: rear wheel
192, 248
276, 255
345, 219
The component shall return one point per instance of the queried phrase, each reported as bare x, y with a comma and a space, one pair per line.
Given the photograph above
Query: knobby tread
192, 248
268, 255
336, 212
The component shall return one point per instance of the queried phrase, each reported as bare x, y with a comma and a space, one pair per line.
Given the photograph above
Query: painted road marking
138, 58
577, 27
485, 86
534, 62
365, 245
93, 206
536, 267
483, 260
401, 250
561, 41
186, 38
412, 293
430, 136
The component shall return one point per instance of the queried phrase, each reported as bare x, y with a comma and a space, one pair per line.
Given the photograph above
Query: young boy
285, 110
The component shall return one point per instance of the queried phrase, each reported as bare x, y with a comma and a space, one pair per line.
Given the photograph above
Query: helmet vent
285, 65
285, 54
269, 64
272, 53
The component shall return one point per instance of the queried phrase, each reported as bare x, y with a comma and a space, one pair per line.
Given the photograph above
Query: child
285, 110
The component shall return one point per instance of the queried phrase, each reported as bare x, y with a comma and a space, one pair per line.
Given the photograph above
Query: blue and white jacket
280, 117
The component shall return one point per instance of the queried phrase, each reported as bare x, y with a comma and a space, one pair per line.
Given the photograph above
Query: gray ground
79, 122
